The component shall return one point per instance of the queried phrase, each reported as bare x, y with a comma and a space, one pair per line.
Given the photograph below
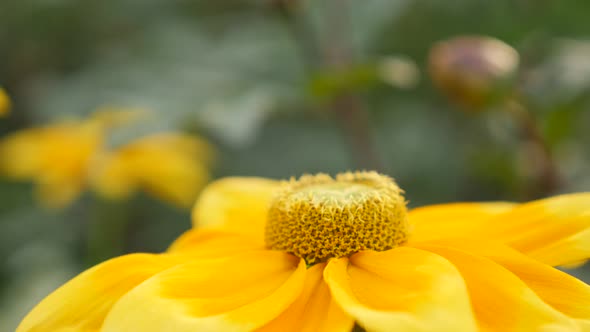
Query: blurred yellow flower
5, 103
171, 166
321, 254
65, 158
56, 157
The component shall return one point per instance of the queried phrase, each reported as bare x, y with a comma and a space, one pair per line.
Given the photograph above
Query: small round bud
473, 71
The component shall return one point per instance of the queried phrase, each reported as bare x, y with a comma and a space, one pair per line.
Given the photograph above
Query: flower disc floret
319, 217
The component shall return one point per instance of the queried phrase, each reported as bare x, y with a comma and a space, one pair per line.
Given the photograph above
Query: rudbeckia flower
65, 158
324, 254
4, 103
55, 157
171, 166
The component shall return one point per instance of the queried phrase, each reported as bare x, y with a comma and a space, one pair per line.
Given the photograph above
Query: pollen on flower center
319, 217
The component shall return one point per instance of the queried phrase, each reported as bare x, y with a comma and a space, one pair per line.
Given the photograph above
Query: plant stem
548, 178
107, 231
301, 29
348, 106
334, 52
353, 118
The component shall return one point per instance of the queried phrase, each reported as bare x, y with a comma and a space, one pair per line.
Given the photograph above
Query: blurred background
117, 112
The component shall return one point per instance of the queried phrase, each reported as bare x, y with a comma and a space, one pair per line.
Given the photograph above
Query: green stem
547, 174
335, 52
107, 231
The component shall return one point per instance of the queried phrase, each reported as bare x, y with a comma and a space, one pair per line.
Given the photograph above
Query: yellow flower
5, 103
55, 157
65, 158
171, 166
321, 254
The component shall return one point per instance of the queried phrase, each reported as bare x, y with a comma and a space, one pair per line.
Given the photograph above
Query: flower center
318, 217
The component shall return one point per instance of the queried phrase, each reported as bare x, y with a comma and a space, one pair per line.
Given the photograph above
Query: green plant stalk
107, 231
334, 52
548, 178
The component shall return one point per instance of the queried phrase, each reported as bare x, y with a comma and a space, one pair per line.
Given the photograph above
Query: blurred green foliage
251, 78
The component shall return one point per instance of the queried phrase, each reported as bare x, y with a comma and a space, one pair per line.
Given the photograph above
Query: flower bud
473, 71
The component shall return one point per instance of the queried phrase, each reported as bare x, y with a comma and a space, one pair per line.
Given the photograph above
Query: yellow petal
558, 289
83, 303
212, 243
314, 310
112, 176
238, 204
403, 289
501, 301
555, 230
170, 166
452, 220
22, 153
57, 193
5, 103
240, 293
56, 157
